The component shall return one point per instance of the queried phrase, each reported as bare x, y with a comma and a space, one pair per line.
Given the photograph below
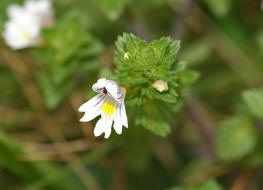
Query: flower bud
126, 55
160, 85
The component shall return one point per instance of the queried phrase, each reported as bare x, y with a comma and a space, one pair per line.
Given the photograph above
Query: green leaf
53, 94
236, 137
154, 118
177, 188
159, 128
195, 168
169, 96
219, 8
197, 52
210, 184
254, 102
189, 77
134, 101
112, 8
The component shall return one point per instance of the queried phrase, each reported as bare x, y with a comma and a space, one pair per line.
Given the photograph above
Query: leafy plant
138, 66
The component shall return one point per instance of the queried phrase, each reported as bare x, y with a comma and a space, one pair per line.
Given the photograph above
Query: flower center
108, 108
25, 35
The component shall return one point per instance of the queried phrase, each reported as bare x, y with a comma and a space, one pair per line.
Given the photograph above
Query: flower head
21, 30
109, 103
25, 23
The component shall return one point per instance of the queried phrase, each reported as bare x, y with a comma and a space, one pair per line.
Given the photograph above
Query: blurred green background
215, 141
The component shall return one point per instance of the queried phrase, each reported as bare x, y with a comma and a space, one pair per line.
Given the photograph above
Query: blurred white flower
14, 12
160, 85
24, 26
109, 103
21, 30
42, 11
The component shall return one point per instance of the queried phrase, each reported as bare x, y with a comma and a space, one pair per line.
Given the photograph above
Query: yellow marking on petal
26, 35
108, 108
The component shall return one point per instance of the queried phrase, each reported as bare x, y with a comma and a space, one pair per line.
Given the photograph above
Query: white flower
21, 30
25, 23
42, 11
14, 12
109, 103
160, 85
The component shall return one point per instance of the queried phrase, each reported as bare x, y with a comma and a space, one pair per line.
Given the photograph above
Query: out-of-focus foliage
203, 133
15, 160
254, 102
68, 51
219, 8
208, 185
112, 8
236, 137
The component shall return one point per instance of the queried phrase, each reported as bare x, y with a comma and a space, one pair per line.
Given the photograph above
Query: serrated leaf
254, 102
236, 137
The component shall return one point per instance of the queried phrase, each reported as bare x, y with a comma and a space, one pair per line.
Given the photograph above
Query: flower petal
124, 115
107, 127
117, 120
112, 88
103, 126
99, 85
92, 108
118, 127
99, 128
14, 11
91, 103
